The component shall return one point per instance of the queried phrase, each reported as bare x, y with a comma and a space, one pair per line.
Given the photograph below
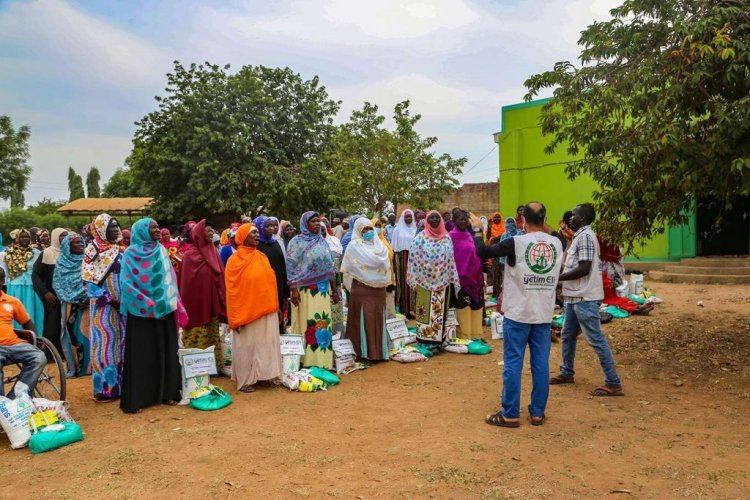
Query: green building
527, 173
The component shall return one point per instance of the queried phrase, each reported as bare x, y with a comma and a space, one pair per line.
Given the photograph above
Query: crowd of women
118, 303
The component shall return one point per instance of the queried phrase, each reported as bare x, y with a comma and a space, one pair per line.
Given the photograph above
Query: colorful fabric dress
310, 270
75, 325
101, 276
151, 371
432, 270
18, 264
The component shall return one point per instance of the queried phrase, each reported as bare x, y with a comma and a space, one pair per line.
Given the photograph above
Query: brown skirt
256, 354
365, 324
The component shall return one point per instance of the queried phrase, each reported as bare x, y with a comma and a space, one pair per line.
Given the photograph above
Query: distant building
481, 198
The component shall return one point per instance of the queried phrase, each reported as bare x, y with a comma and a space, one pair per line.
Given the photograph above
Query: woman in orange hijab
495, 231
252, 311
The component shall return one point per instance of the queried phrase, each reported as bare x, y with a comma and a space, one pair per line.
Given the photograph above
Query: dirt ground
418, 431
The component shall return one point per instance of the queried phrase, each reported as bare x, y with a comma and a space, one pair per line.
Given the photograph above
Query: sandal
171, 402
98, 398
607, 390
499, 420
538, 420
559, 379
247, 389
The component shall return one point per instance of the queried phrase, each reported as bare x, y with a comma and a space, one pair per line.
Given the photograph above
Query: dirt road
417, 431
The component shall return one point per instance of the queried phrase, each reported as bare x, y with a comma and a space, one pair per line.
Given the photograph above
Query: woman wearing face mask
401, 240
367, 273
390, 290
44, 269
101, 276
68, 285
313, 287
151, 370
253, 312
432, 270
18, 263
469, 301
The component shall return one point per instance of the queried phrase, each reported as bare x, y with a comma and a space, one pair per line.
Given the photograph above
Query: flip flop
498, 420
537, 420
607, 391
559, 379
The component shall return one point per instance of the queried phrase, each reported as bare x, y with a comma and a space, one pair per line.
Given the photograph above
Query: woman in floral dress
313, 286
432, 270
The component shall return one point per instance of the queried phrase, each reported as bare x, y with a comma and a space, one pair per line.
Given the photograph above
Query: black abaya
278, 263
151, 373
41, 278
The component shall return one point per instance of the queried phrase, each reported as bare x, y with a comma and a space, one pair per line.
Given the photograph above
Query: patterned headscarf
147, 280
100, 255
309, 260
66, 281
17, 257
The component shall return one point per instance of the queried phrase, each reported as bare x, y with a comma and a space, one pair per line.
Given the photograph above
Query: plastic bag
192, 384
14, 416
409, 354
327, 377
225, 338
616, 312
496, 325
214, 398
51, 439
479, 346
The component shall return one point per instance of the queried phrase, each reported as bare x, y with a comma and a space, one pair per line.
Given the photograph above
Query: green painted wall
527, 173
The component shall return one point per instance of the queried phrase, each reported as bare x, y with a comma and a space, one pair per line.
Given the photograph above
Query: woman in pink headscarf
431, 272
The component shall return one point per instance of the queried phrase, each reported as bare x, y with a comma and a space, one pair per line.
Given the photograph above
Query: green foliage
18, 217
92, 183
658, 113
124, 184
75, 185
372, 166
14, 157
46, 206
221, 142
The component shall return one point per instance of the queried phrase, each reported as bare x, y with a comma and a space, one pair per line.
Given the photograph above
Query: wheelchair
51, 382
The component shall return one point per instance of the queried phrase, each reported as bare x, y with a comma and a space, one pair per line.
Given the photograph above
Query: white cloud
61, 41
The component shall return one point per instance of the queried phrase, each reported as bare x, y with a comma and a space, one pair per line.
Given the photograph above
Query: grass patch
449, 474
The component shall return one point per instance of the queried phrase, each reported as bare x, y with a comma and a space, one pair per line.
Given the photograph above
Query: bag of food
210, 398
458, 346
55, 436
191, 381
225, 339
479, 346
327, 377
14, 416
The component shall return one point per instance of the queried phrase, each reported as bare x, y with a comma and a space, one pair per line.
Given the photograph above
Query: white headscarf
403, 233
366, 261
52, 252
334, 244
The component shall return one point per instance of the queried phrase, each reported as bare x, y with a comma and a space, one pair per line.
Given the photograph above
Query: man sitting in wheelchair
18, 347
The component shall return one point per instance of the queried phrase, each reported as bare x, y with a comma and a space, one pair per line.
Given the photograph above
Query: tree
221, 142
124, 184
75, 185
14, 157
92, 183
373, 166
658, 112
46, 206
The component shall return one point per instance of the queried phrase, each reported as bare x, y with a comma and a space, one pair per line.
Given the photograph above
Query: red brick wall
481, 199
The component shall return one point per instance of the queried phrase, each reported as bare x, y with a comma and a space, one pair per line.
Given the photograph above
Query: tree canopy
75, 185
14, 157
371, 166
221, 142
657, 111
92, 183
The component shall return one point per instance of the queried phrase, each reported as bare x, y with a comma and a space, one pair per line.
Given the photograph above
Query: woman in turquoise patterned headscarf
151, 372
75, 336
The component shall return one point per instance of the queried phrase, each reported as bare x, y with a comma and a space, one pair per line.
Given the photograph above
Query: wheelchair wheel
51, 384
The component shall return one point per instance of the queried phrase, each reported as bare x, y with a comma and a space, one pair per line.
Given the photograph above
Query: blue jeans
515, 337
32, 362
584, 316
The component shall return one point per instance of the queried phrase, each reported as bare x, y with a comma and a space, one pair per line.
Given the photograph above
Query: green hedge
16, 218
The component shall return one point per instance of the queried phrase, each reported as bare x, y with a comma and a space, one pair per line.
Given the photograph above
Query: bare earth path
417, 431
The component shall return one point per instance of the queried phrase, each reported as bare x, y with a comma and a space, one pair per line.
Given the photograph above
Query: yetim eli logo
541, 257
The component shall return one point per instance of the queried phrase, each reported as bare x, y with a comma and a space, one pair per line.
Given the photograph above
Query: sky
80, 73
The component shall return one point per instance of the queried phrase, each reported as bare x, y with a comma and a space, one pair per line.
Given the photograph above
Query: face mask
368, 236
378, 230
